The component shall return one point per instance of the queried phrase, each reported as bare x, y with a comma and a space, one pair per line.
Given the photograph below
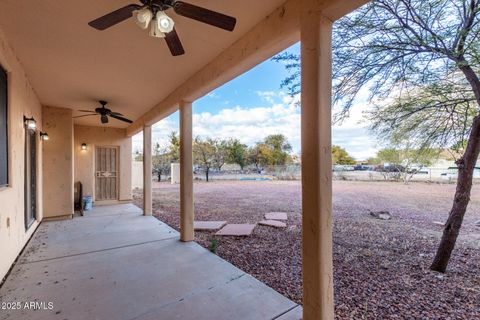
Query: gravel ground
380, 267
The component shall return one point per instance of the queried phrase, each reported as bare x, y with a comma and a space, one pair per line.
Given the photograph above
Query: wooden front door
106, 173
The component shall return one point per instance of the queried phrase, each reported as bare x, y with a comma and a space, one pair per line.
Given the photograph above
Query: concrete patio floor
115, 263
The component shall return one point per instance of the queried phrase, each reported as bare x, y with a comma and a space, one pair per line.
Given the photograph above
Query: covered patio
115, 263
54, 65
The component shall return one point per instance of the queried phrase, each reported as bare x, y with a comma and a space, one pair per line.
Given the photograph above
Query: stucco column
186, 173
316, 37
147, 170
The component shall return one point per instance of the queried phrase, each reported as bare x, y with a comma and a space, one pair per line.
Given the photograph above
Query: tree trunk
206, 173
159, 176
466, 167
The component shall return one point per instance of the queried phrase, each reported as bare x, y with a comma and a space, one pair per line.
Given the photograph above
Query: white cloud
356, 141
280, 114
160, 132
213, 95
250, 125
353, 132
267, 96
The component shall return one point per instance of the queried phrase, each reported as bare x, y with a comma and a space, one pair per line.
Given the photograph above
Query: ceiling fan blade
114, 17
91, 111
86, 115
116, 113
174, 43
121, 118
204, 15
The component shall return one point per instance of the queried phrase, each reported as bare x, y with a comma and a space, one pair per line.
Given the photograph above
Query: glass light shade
44, 136
30, 123
84, 146
165, 23
155, 30
143, 17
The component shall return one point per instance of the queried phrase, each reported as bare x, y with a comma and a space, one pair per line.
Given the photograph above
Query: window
3, 128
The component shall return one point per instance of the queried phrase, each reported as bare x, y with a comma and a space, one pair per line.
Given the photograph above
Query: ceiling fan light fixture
165, 23
143, 17
152, 12
155, 30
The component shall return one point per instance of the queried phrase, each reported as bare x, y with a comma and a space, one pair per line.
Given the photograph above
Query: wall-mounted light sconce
84, 146
30, 123
44, 136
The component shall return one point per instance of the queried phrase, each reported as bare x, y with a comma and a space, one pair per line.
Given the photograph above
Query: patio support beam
186, 173
316, 126
147, 171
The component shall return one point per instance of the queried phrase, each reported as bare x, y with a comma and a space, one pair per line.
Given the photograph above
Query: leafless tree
421, 60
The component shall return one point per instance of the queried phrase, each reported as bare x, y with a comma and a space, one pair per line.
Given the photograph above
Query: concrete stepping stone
273, 223
276, 216
208, 225
236, 230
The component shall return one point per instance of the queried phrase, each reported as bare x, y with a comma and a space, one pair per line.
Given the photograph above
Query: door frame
95, 174
30, 171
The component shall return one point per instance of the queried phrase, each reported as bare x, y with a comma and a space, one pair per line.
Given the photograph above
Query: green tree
275, 150
373, 161
204, 155
174, 147
161, 161
237, 152
389, 155
341, 156
138, 155
266, 155
407, 161
253, 155
421, 59
220, 154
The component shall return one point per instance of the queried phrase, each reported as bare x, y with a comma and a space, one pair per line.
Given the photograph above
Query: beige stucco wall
175, 173
58, 162
85, 159
22, 101
137, 174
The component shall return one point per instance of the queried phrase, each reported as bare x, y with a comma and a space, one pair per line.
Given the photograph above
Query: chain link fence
294, 172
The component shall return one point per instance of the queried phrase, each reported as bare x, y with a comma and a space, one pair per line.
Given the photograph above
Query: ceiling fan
104, 113
152, 12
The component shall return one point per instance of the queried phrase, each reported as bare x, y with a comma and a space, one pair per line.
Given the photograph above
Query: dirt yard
380, 267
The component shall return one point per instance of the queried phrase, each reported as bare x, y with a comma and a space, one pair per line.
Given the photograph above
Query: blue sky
253, 106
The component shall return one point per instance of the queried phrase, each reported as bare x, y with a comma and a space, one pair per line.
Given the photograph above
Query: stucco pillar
316, 37
147, 170
186, 173
58, 163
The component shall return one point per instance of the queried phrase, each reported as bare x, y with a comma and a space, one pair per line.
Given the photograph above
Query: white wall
137, 174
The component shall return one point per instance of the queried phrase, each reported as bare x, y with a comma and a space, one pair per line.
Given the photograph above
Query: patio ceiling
72, 65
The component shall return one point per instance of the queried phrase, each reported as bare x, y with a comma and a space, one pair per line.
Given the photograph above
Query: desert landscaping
381, 267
